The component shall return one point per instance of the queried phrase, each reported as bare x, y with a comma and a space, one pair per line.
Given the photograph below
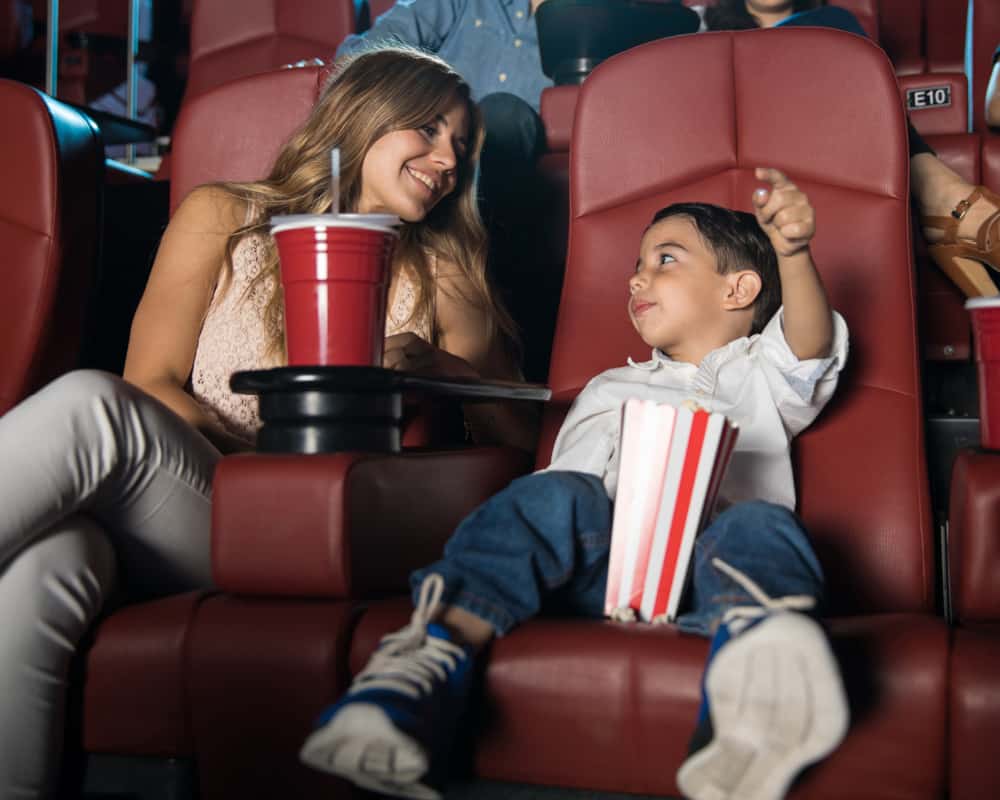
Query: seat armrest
974, 536
344, 525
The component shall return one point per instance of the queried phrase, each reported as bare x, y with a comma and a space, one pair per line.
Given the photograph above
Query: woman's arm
467, 351
168, 321
462, 332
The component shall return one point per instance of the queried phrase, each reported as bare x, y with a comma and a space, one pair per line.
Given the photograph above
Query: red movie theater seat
232, 40
597, 705
53, 166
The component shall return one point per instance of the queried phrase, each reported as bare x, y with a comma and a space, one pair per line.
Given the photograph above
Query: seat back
901, 34
231, 40
234, 132
52, 163
822, 106
944, 33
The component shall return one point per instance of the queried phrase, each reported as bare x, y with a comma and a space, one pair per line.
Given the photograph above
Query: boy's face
678, 299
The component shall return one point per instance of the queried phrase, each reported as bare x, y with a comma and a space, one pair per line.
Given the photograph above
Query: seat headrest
760, 97
234, 132
820, 105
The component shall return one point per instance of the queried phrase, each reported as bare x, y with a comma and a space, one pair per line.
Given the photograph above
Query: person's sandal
964, 261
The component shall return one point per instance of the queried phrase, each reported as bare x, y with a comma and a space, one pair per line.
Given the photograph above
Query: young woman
960, 222
101, 475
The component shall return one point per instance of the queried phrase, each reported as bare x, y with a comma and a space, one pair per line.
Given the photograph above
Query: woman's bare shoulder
211, 210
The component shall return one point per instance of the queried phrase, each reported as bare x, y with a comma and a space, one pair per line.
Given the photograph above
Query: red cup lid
383, 223
982, 302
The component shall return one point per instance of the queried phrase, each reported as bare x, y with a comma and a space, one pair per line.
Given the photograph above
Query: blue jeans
545, 539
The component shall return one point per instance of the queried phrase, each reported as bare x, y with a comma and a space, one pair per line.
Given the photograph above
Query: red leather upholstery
234, 133
975, 713
901, 34
974, 565
974, 545
229, 41
135, 698
404, 507
640, 685
984, 41
52, 167
558, 106
258, 674
928, 89
944, 32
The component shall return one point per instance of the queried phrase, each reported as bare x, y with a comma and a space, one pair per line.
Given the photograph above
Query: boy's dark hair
737, 242
732, 15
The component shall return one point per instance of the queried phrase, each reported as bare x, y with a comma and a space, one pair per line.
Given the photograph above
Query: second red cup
985, 314
335, 274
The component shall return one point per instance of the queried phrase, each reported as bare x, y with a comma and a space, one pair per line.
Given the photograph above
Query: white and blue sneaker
393, 730
773, 701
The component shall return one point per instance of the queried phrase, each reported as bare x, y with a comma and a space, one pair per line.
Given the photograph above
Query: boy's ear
742, 289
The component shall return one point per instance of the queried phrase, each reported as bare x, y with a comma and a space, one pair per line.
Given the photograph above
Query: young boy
705, 296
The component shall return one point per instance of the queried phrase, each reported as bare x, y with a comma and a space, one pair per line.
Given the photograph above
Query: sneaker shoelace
410, 661
739, 617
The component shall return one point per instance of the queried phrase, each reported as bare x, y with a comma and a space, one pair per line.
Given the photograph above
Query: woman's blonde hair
370, 94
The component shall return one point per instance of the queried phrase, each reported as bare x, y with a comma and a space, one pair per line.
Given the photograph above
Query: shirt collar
659, 359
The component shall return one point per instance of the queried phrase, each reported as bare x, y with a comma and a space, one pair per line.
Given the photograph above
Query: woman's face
408, 172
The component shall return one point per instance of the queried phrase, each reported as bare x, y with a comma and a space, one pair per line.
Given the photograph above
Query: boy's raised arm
786, 216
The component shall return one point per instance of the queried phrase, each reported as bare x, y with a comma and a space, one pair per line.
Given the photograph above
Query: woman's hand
407, 352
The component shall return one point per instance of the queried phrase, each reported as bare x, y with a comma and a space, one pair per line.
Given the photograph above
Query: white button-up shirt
756, 381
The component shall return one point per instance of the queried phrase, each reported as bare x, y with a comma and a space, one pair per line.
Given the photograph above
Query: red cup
335, 276
985, 313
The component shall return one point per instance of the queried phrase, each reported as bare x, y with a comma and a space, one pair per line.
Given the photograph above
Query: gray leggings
97, 479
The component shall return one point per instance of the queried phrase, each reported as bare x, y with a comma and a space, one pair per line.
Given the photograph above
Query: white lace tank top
235, 336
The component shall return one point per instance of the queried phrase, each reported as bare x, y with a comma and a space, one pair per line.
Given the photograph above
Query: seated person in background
993, 93
99, 475
725, 300
960, 222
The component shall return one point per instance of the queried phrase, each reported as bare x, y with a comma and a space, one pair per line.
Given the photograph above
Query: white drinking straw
335, 181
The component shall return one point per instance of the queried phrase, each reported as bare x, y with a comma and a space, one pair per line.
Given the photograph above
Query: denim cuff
477, 605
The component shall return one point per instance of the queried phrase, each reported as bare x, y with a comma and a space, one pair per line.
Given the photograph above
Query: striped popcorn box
672, 463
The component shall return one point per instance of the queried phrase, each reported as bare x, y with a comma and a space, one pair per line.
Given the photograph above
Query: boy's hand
783, 213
